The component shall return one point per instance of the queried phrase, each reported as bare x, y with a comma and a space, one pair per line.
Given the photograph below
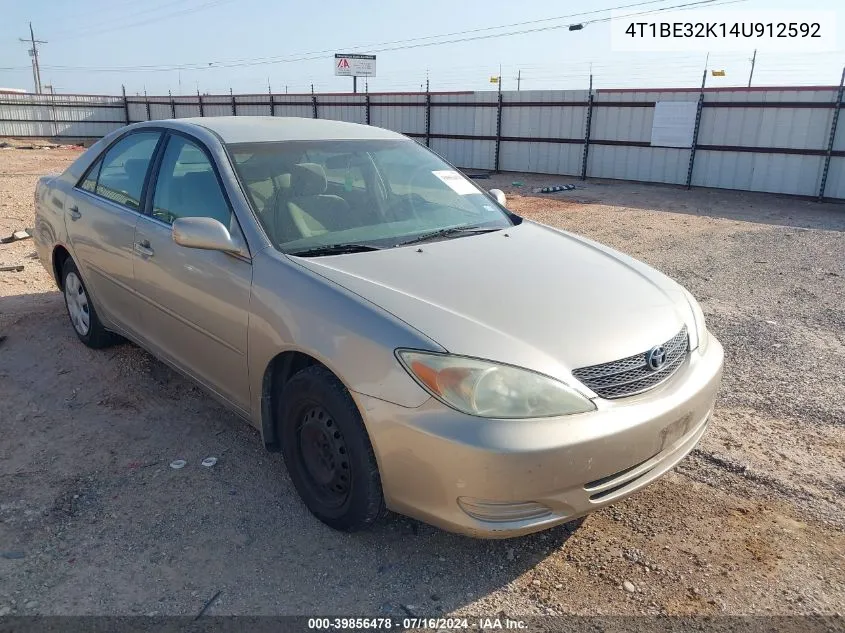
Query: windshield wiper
334, 249
452, 230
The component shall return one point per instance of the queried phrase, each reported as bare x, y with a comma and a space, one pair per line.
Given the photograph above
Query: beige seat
301, 208
312, 211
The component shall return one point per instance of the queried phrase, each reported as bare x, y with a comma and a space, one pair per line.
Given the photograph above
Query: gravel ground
93, 521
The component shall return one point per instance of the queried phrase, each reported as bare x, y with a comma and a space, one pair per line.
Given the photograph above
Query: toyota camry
406, 341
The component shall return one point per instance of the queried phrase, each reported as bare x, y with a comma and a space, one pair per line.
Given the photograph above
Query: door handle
143, 248
74, 212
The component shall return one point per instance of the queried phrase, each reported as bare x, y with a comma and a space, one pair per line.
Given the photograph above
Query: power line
416, 42
150, 20
89, 27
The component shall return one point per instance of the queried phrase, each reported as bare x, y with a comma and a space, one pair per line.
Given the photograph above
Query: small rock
510, 554
558, 585
5, 610
12, 555
629, 586
435, 597
536, 583
32, 604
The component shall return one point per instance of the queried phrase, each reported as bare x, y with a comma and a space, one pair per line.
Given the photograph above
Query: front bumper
542, 471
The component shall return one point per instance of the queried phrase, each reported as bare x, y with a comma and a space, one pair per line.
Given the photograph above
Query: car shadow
112, 528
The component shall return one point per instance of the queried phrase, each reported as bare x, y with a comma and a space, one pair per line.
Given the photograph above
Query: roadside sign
352, 65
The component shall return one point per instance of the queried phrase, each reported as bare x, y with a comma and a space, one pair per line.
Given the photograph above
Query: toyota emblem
656, 357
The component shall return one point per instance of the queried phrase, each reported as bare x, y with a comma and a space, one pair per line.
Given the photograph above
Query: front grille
632, 375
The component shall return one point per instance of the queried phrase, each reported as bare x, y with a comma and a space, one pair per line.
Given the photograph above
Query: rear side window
89, 183
124, 168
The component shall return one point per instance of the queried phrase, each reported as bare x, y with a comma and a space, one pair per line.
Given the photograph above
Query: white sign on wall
349, 65
674, 123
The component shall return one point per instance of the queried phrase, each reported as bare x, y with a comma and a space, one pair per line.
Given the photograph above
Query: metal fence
779, 140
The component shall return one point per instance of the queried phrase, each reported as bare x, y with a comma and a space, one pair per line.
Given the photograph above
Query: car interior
310, 198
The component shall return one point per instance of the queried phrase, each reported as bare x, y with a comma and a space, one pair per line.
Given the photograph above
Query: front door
100, 217
195, 303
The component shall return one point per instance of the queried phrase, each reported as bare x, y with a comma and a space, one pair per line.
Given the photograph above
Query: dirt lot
93, 521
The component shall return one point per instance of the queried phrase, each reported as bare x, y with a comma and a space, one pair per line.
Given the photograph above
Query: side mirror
499, 196
205, 233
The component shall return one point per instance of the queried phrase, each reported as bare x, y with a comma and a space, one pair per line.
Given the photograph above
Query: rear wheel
80, 309
328, 452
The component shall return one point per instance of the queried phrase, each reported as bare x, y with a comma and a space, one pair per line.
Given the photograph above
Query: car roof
256, 129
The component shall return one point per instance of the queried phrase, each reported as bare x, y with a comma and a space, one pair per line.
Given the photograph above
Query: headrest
200, 178
283, 181
136, 168
308, 179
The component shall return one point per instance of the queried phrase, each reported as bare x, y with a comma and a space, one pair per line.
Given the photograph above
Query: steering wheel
413, 201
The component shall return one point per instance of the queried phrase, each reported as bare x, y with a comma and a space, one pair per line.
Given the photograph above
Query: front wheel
328, 452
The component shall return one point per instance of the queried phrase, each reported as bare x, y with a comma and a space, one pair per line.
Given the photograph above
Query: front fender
295, 309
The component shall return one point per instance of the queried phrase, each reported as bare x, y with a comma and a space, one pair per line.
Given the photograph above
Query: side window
89, 183
187, 185
124, 168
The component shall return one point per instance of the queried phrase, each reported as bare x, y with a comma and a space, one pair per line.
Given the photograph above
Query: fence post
498, 130
272, 105
695, 130
234, 105
367, 104
314, 102
587, 131
147, 103
125, 105
172, 106
833, 123
53, 114
427, 118
199, 99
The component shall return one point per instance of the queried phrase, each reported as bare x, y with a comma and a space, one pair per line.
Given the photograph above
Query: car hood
530, 296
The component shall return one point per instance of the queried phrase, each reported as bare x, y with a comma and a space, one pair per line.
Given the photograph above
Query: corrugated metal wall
24, 115
772, 140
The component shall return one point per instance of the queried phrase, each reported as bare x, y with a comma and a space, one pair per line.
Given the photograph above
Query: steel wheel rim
77, 304
325, 456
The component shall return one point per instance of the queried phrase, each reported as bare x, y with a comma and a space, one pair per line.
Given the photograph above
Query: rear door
195, 302
100, 217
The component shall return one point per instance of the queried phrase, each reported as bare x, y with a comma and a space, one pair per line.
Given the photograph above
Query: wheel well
60, 256
281, 369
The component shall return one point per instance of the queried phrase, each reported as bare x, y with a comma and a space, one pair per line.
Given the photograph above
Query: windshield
361, 194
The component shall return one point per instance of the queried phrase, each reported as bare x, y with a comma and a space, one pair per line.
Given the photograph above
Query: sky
212, 46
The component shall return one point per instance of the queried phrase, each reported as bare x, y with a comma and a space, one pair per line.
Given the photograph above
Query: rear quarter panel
51, 195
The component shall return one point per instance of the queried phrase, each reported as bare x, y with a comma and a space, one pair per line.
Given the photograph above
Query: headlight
491, 390
702, 337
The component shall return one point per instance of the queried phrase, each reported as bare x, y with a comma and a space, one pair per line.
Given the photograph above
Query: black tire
328, 452
96, 336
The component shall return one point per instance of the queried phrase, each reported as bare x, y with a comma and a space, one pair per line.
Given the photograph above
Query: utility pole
518, 79
354, 84
33, 52
753, 60
500, 78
